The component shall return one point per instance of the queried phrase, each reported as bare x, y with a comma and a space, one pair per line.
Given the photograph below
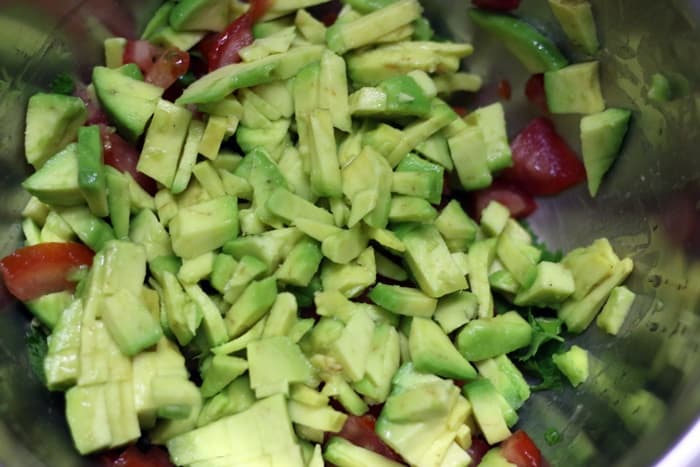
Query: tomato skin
535, 93
520, 450
166, 70
359, 430
134, 457
142, 53
519, 203
504, 90
500, 5
124, 157
477, 450
221, 49
543, 162
40, 269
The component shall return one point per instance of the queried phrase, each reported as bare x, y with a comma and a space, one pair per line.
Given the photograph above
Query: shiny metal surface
649, 208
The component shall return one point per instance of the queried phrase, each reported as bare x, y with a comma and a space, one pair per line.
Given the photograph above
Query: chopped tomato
124, 157
134, 457
360, 431
501, 5
96, 115
520, 450
41, 269
171, 64
543, 162
534, 90
221, 49
504, 89
519, 203
142, 53
477, 450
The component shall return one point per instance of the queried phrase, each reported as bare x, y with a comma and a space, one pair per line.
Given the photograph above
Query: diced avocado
86, 412
164, 141
274, 363
199, 15
602, 135
339, 389
431, 174
62, 361
207, 176
403, 300
222, 271
574, 89
188, 157
453, 82
183, 316
114, 51
270, 247
503, 281
352, 347
615, 310
343, 453
492, 122
56, 229
131, 70
49, 308
222, 370
212, 322
579, 314
367, 29
456, 227
302, 263
388, 268
535, 51
235, 398
494, 458
309, 27
506, 378
159, 20
324, 167
253, 303
490, 337
574, 364
118, 201
147, 231
282, 316
487, 411
456, 310
130, 323
411, 209
345, 246
264, 430
291, 207
368, 172
370, 67
590, 265
479, 259
324, 419
432, 352
382, 363
552, 284
247, 269
333, 90
277, 42
469, 154
91, 170
52, 122
576, 19
418, 403
204, 227
430, 261
56, 182
222, 82
31, 232
129, 103
93, 231
518, 257
494, 218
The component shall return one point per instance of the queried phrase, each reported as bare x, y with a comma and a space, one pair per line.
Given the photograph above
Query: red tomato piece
477, 450
505, 90
221, 49
534, 90
519, 203
543, 162
142, 53
37, 270
500, 5
124, 157
360, 431
520, 450
134, 457
171, 64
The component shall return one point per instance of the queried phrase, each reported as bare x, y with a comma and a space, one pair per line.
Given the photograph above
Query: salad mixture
265, 234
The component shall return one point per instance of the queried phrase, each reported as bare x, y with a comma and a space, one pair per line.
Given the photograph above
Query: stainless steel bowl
641, 405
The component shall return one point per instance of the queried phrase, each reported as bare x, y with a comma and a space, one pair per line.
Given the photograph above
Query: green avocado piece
602, 135
276, 362
130, 323
86, 412
432, 351
52, 122
574, 89
92, 230
494, 458
577, 21
199, 15
469, 154
62, 361
129, 103
49, 308
490, 337
158, 21
56, 182
222, 370
341, 452
552, 284
574, 364
131, 70
403, 300
487, 410
204, 227
506, 378
535, 51
91, 170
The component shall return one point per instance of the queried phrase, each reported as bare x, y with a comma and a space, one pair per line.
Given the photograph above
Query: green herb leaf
37, 348
543, 330
547, 254
544, 369
63, 84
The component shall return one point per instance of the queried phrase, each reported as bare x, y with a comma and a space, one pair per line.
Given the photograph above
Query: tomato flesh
221, 49
134, 457
477, 450
519, 203
543, 162
142, 53
519, 449
166, 70
41, 269
124, 157
535, 93
359, 430
500, 5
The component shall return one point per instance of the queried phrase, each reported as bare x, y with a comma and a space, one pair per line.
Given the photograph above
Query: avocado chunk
92, 230
576, 19
615, 310
86, 412
250, 306
552, 284
506, 378
535, 51
343, 453
199, 15
602, 135
352, 347
574, 89
49, 308
52, 122
574, 364
221, 371
487, 411
403, 300
204, 226
490, 337
129, 103
432, 352
494, 458
469, 155
91, 170
56, 182
276, 362
62, 361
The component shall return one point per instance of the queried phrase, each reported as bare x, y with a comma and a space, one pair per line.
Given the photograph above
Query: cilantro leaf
547, 254
63, 84
37, 348
543, 330
546, 372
